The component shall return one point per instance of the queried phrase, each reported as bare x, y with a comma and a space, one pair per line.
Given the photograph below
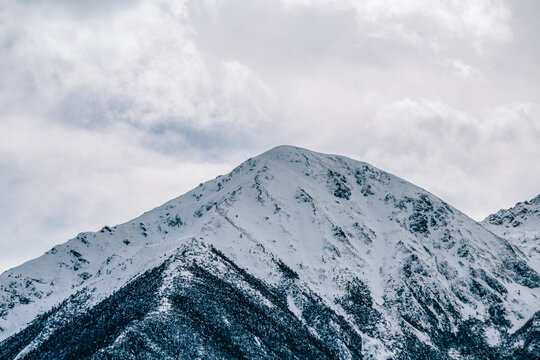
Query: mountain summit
294, 254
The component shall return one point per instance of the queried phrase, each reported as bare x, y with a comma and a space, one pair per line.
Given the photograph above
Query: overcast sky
110, 108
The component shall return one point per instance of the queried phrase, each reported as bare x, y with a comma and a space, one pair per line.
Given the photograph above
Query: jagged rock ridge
520, 225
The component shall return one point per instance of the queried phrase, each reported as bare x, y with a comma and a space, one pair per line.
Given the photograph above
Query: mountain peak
283, 149
516, 216
295, 154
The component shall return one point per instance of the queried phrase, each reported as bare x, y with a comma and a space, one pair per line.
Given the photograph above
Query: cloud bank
110, 108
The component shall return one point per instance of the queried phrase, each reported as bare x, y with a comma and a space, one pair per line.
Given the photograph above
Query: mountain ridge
520, 225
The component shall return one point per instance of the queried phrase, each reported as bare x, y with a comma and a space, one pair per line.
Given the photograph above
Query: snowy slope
404, 269
519, 225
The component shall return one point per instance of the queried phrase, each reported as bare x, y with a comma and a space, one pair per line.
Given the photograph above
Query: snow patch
493, 336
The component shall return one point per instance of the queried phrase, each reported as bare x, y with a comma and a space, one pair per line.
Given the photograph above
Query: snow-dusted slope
406, 271
520, 225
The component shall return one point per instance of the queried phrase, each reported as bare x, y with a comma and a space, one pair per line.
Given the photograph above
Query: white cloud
462, 69
417, 22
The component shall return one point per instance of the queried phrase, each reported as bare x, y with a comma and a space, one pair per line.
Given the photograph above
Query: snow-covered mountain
294, 254
520, 225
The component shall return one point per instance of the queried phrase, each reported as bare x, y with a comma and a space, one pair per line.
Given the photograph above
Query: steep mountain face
294, 254
519, 225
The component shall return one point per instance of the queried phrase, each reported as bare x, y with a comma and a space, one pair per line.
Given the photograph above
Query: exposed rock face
294, 254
